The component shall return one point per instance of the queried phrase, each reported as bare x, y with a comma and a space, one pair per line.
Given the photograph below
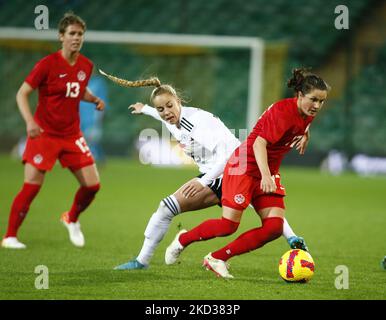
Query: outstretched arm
140, 108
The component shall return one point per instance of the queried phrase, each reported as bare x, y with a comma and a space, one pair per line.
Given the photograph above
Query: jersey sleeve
150, 111
214, 136
222, 155
274, 124
38, 74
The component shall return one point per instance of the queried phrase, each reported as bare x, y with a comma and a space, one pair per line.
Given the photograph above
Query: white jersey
204, 138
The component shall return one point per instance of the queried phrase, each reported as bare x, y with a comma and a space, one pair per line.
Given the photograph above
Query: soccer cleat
296, 242
12, 243
383, 263
174, 250
76, 235
219, 267
131, 265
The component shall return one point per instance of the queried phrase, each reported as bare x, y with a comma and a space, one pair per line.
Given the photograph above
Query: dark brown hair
70, 18
305, 81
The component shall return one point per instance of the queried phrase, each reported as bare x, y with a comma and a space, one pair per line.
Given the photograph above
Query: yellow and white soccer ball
296, 266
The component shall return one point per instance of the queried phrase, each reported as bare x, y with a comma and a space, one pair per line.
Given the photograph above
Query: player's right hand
33, 129
302, 144
268, 184
191, 188
136, 108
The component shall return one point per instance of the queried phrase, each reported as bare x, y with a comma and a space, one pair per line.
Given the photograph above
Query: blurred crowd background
296, 33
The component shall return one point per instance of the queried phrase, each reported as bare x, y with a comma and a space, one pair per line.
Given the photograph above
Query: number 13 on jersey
73, 89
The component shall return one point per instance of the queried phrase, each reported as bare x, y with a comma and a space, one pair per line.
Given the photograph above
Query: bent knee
274, 227
228, 226
94, 188
170, 205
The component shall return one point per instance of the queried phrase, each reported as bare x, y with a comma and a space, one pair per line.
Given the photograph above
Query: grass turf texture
342, 219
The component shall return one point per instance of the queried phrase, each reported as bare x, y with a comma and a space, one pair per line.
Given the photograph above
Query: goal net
235, 78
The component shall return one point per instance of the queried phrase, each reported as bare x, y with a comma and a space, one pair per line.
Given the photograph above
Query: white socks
287, 231
157, 227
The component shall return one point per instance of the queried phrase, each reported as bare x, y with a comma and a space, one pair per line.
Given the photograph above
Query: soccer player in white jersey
210, 143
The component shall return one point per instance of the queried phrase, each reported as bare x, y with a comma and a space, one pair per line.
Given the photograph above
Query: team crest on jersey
81, 75
186, 143
239, 198
38, 159
184, 139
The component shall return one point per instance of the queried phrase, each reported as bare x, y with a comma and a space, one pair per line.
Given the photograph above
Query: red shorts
238, 191
43, 151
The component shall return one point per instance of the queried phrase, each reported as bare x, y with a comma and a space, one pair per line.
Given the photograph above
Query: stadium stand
305, 27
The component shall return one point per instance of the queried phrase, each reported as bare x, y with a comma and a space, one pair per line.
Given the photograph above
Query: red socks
271, 229
24, 198
83, 198
209, 229
20, 207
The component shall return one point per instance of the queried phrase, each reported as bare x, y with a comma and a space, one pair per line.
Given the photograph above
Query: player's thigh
76, 155
33, 175
203, 199
269, 205
271, 212
232, 214
87, 176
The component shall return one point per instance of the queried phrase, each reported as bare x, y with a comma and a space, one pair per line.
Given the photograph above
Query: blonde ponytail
152, 82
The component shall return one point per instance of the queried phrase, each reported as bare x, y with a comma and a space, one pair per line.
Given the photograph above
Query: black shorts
215, 186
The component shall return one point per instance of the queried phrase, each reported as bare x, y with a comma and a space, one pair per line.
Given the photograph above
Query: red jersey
61, 87
282, 126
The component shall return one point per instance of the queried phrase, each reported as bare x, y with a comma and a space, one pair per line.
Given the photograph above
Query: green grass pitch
343, 220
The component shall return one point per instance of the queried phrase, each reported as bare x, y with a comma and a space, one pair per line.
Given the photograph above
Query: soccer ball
296, 266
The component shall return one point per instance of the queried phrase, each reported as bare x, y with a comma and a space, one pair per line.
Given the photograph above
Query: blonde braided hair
152, 82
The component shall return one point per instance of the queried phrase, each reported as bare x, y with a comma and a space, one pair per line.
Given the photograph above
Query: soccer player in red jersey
54, 131
252, 176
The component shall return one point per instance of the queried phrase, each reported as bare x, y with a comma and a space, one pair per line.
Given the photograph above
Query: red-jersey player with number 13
54, 131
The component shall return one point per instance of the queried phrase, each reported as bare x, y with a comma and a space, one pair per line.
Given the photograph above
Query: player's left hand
302, 144
191, 188
100, 105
